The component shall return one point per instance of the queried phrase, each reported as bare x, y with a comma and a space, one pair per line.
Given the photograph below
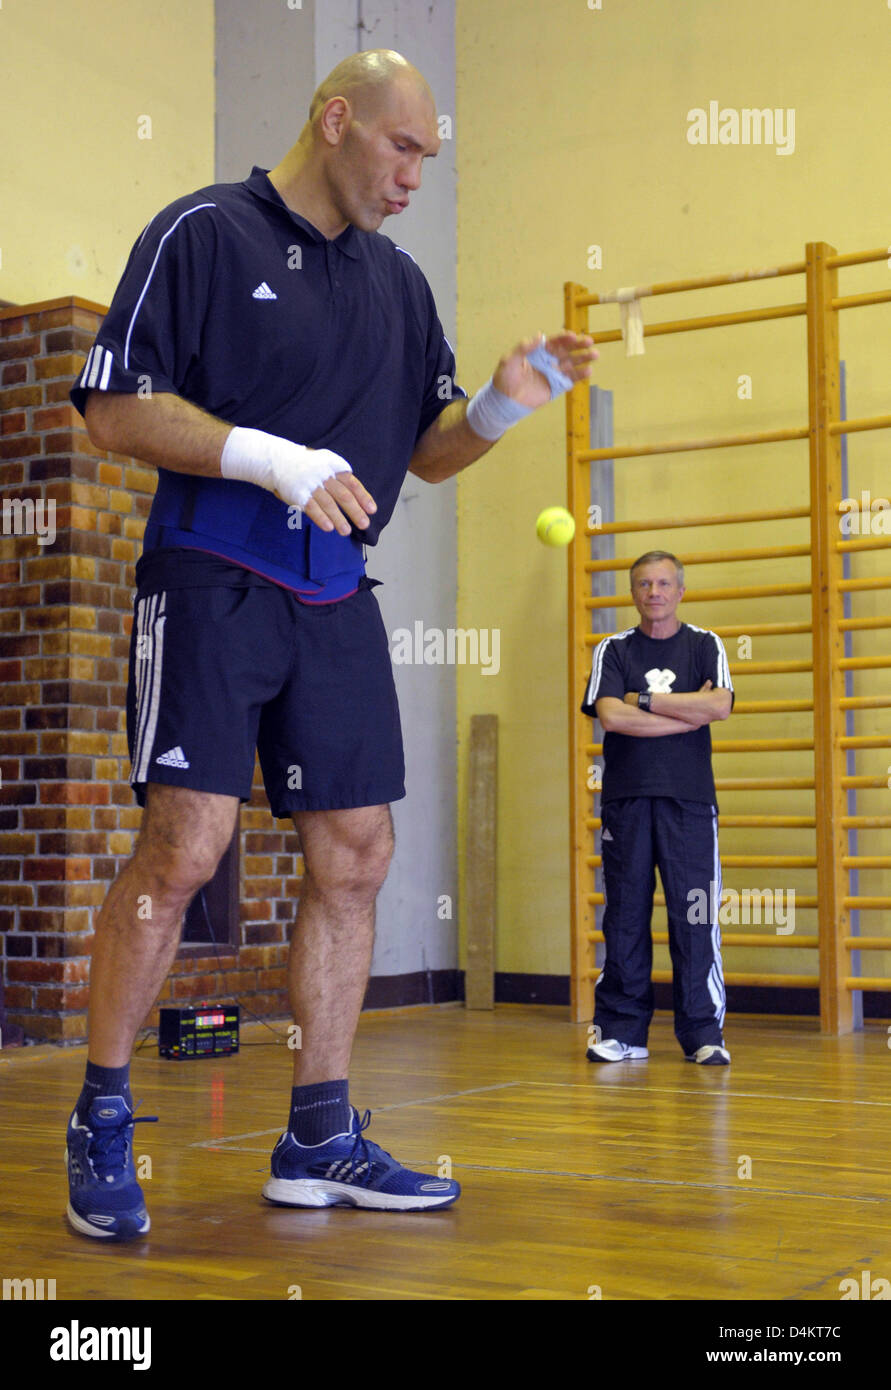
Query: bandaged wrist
490, 412
290, 470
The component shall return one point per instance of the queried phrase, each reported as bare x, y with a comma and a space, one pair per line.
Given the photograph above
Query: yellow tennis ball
555, 526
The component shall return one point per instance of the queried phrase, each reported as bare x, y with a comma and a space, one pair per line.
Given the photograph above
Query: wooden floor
623, 1179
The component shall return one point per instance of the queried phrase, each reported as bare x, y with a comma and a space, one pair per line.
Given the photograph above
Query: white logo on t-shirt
660, 682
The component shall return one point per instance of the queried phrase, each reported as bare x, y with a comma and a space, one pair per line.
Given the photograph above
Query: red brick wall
68, 819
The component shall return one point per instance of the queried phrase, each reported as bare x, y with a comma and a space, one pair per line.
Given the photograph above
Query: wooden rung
593, 639
773, 707
768, 822
862, 663
762, 629
620, 528
866, 822
664, 977
868, 422
867, 943
703, 557
768, 861
802, 900
866, 861
867, 904
755, 861
746, 939
762, 745
735, 977
863, 543
860, 301
769, 784
862, 586
769, 668
713, 595
693, 325
739, 745
862, 624
857, 258
798, 822
731, 277
867, 982
761, 861
865, 702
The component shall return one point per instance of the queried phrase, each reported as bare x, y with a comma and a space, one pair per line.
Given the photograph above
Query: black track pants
680, 838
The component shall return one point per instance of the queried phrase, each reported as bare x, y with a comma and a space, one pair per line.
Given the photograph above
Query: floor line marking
378, 1110
669, 1182
448, 1095
740, 1095
643, 1182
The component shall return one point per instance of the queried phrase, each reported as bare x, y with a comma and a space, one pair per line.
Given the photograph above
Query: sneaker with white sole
613, 1051
104, 1198
349, 1170
710, 1056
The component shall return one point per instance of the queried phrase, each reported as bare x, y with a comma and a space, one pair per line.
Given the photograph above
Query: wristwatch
643, 701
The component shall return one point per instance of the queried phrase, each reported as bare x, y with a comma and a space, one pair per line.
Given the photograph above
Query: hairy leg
183, 836
346, 857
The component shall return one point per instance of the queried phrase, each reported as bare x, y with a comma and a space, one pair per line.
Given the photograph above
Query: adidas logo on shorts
264, 292
174, 758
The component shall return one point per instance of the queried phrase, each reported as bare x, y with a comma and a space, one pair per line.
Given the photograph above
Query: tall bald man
283, 366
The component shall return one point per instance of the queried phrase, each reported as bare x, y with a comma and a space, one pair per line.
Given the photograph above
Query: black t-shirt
242, 307
678, 765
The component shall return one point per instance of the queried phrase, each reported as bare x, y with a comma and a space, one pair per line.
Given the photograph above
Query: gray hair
653, 555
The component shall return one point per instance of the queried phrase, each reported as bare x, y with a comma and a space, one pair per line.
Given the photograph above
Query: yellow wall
572, 129
78, 185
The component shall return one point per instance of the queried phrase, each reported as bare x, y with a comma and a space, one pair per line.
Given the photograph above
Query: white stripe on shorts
716, 973
150, 621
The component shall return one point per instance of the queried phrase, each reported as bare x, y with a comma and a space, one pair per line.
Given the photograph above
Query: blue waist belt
247, 524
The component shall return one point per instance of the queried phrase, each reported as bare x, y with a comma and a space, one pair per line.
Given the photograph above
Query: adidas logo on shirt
174, 758
264, 292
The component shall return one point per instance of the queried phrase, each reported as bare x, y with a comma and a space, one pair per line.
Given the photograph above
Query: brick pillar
68, 818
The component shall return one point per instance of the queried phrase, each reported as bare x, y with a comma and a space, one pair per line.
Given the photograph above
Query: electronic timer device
204, 1030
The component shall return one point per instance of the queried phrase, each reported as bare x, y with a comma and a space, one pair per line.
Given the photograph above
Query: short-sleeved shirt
678, 765
239, 305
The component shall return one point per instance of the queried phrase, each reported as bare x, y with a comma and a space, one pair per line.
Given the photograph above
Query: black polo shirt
677, 765
234, 302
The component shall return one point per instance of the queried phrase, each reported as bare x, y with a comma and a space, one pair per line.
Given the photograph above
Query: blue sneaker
348, 1170
104, 1198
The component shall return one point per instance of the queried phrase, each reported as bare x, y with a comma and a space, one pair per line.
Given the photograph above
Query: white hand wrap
291, 471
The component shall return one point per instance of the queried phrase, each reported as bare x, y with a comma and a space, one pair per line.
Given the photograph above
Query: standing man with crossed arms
655, 689
283, 366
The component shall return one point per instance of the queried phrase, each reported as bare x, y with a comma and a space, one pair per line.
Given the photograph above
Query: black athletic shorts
223, 669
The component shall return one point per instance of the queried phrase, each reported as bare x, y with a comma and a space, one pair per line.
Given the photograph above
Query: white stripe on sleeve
188, 212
